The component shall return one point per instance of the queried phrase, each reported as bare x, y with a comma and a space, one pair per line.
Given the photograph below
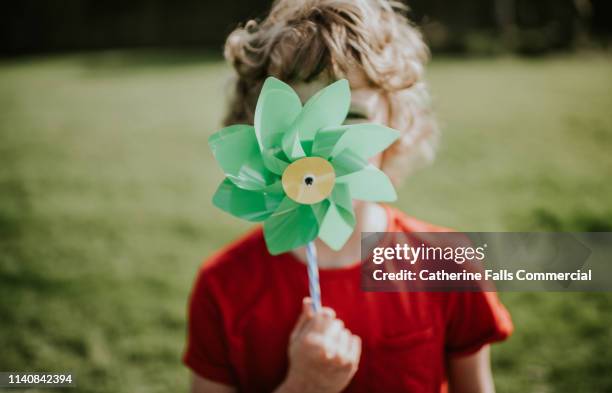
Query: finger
328, 312
307, 307
323, 319
332, 335
306, 315
343, 347
320, 322
355, 350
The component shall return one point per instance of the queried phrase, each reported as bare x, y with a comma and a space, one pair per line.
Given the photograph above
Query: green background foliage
105, 212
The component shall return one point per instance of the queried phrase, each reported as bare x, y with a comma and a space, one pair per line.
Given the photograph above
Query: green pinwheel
299, 168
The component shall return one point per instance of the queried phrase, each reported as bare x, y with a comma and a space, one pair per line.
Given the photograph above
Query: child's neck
370, 217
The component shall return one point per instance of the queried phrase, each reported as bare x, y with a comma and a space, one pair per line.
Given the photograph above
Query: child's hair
300, 41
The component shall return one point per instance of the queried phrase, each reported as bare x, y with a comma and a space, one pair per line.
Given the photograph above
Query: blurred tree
525, 26
544, 25
505, 16
601, 22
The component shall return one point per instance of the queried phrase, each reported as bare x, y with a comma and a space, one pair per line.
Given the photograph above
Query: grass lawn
105, 213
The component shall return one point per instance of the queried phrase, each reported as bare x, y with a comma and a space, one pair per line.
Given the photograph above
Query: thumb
305, 316
307, 307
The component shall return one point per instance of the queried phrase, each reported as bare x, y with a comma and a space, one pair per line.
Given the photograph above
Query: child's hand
323, 354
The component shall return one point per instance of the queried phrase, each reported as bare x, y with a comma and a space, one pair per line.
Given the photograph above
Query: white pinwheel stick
313, 276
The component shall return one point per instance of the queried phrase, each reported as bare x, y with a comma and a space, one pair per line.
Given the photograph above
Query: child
251, 327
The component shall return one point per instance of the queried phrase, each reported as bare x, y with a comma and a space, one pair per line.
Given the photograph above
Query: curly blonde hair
300, 41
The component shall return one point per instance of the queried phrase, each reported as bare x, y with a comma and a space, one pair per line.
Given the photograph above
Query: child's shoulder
235, 275
242, 253
238, 268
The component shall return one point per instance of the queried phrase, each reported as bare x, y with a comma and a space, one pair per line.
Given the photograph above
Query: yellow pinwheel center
309, 180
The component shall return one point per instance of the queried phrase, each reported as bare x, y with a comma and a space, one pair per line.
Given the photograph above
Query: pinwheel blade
369, 184
276, 110
320, 210
271, 83
291, 226
327, 108
292, 146
339, 221
366, 140
341, 196
348, 162
245, 204
273, 162
335, 229
235, 149
325, 140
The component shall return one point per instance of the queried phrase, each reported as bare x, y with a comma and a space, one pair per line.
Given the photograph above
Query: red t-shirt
245, 303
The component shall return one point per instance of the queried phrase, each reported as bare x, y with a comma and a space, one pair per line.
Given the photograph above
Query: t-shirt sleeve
474, 320
207, 352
